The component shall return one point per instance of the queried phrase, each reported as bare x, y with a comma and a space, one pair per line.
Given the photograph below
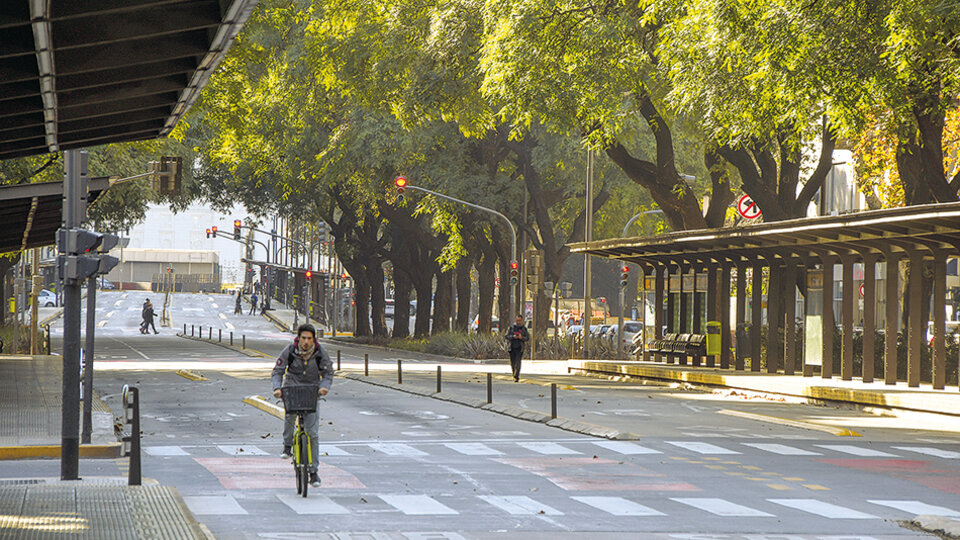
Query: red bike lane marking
918, 471
589, 474
272, 473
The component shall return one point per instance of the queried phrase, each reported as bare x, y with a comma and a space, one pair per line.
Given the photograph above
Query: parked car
630, 330
46, 299
597, 330
494, 324
106, 284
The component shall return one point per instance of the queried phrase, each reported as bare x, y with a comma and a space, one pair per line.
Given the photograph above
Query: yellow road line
838, 431
111, 450
264, 405
191, 375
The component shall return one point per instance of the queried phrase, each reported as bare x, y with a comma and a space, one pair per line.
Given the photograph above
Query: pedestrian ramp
498, 506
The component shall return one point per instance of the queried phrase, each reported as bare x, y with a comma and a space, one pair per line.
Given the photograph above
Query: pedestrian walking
253, 304
517, 335
148, 314
238, 308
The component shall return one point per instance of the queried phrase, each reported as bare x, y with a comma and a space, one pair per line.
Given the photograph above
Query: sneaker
286, 454
314, 479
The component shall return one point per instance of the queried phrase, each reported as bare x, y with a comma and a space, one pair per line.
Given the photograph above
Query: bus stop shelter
714, 275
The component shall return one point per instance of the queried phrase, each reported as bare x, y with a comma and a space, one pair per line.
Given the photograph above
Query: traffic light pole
88, 359
513, 232
73, 208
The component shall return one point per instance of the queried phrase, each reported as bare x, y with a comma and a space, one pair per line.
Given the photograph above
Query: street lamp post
643, 302
403, 183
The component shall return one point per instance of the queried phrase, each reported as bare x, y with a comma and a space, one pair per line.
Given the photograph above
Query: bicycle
300, 400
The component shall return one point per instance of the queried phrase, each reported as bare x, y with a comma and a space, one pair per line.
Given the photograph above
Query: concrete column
671, 328
846, 359
713, 301
891, 319
789, 317
774, 316
826, 369
939, 319
869, 315
741, 314
756, 316
724, 316
658, 306
915, 327
684, 310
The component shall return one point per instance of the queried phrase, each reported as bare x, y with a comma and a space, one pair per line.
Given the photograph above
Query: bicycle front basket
300, 398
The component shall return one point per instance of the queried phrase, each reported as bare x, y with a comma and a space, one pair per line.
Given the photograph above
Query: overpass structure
692, 276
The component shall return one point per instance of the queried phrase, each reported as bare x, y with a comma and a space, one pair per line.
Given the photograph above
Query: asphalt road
397, 465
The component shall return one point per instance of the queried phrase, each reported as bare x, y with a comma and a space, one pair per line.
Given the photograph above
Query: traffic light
308, 274
401, 183
167, 175
514, 272
322, 234
214, 230
236, 229
624, 275
208, 233
343, 279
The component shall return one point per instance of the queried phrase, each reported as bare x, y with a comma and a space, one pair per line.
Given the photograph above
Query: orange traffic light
401, 182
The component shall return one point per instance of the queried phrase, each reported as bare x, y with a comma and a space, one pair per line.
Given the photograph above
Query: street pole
36, 282
73, 209
587, 237
88, 359
620, 324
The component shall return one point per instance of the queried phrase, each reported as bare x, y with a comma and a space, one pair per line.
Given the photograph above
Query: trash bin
713, 338
743, 340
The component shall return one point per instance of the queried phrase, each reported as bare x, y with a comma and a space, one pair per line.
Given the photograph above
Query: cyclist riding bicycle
303, 363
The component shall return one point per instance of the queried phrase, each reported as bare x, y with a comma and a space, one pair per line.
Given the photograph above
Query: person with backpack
517, 335
253, 304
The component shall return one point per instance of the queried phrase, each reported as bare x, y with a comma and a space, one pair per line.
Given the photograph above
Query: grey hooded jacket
291, 371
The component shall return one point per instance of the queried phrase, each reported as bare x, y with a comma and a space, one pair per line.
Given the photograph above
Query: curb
939, 525
187, 374
565, 424
431, 356
253, 353
276, 320
105, 451
264, 405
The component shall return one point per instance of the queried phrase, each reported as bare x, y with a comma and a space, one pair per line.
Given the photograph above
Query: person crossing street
517, 335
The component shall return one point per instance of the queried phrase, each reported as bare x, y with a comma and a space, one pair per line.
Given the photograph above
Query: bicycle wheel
296, 468
303, 475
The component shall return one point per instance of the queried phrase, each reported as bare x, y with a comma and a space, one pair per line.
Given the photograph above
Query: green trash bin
713, 338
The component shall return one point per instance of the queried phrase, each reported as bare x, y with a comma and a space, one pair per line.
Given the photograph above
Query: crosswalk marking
165, 451
918, 508
314, 504
626, 448
946, 454
701, 447
782, 449
240, 450
520, 505
855, 450
721, 507
618, 506
397, 449
417, 505
331, 450
214, 505
823, 509
547, 448
473, 449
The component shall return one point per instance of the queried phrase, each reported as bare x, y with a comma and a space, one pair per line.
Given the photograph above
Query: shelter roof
83, 73
893, 230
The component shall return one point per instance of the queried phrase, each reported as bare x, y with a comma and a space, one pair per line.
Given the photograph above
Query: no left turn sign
747, 208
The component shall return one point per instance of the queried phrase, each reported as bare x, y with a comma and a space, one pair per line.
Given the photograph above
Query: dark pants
253, 308
515, 356
148, 324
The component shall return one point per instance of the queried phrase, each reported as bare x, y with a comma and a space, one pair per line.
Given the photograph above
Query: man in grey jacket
303, 363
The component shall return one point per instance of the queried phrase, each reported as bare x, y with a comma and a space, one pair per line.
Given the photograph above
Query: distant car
389, 308
574, 330
494, 324
106, 284
46, 299
598, 330
630, 330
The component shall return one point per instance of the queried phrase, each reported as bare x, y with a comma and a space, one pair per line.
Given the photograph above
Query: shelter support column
742, 337
658, 306
826, 367
869, 315
713, 301
724, 308
939, 319
698, 307
685, 289
891, 320
756, 316
915, 328
789, 317
846, 358
773, 317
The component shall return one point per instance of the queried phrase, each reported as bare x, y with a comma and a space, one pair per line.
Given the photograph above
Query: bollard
366, 364
489, 387
210, 334
338, 359
399, 372
191, 330
231, 339
184, 328
438, 379
553, 400
243, 341
219, 335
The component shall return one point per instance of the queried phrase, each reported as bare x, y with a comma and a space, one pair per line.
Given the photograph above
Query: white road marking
222, 316
782, 449
473, 449
918, 508
314, 504
720, 507
118, 303
214, 505
618, 506
101, 324
417, 505
230, 327
397, 449
145, 357
165, 451
214, 305
823, 509
520, 505
701, 447
946, 454
855, 450
242, 450
330, 450
109, 314
626, 448
547, 448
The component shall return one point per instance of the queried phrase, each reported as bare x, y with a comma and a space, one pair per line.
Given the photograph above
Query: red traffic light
401, 182
236, 223
309, 274
625, 269
208, 233
514, 265
214, 229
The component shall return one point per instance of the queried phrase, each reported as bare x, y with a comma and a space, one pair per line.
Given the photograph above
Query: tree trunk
442, 302
401, 304
486, 281
423, 284
377, 304
361, 299
464, 294
6, 263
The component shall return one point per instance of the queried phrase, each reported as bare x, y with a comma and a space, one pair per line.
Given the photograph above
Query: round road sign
861, 289
747, 208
